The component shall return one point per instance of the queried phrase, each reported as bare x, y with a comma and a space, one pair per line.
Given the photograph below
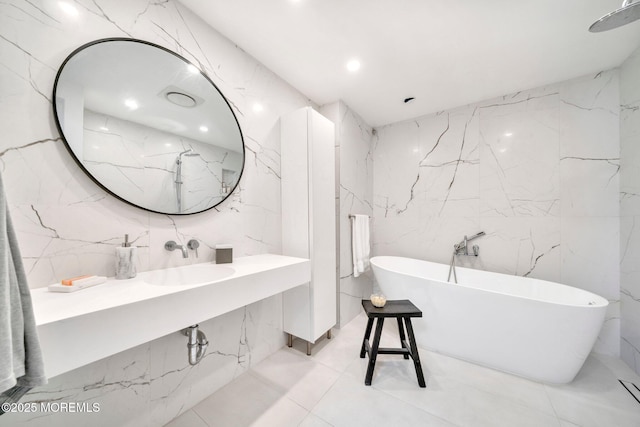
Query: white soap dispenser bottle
126, 256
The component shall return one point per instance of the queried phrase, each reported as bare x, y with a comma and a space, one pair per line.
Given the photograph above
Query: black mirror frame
94, 179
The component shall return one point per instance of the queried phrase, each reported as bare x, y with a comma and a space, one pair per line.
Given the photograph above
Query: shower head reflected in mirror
188, 153
178, 181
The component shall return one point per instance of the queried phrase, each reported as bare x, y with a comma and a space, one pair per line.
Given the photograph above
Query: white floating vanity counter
78, 328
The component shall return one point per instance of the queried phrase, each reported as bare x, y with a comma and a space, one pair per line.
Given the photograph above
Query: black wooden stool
400, 309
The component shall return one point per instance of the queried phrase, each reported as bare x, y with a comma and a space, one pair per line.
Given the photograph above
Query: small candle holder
378, 300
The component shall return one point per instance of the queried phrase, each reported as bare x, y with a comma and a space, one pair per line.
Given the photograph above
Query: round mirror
148, 126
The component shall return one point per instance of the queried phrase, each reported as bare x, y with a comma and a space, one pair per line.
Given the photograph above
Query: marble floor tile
349, 403
314, 421
248, 401
300, 377
338, 352
587, 412
327, 389
449, 399
520, 390
564, 423
595, 397
188, 419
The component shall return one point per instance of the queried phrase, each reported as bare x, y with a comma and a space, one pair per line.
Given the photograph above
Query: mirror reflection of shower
178, 181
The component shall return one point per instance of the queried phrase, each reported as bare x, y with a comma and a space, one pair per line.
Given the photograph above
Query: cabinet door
309, 220
322, 198
294, 170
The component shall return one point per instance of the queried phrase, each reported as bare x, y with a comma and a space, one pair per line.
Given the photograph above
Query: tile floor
327, 389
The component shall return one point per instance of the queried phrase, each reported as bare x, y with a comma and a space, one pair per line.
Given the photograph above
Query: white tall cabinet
309, 221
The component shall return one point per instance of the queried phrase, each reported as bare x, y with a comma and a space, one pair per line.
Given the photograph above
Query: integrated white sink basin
187, 275
78, 328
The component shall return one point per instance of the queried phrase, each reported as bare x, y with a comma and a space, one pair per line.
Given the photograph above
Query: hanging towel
21, 366
360, 244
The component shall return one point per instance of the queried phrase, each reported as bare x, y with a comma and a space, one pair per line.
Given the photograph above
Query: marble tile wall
538, 171
630, 210
67, 225
353, 155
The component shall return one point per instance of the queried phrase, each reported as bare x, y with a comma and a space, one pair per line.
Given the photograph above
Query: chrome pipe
196, 344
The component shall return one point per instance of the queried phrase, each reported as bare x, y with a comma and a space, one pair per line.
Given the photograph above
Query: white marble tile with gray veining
67, 225
529, 182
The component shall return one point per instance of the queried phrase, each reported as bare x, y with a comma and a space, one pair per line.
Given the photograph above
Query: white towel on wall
360, 244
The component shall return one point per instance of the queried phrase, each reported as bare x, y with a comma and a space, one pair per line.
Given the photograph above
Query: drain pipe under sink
196, 345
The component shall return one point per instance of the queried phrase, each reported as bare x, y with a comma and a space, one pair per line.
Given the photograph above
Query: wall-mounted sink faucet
172, 246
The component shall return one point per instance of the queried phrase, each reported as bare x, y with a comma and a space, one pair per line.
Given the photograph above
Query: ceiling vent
180, 97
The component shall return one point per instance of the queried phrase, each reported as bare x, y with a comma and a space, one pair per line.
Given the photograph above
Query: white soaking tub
533, 328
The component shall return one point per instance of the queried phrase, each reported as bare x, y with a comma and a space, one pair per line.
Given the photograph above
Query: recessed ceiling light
204, 129
508, 134
257, 107
131, 103
353, 65
68, 8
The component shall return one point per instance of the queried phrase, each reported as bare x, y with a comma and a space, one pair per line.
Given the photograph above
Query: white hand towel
360, 244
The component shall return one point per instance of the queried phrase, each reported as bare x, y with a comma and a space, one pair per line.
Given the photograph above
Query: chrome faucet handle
171, 245
194, 245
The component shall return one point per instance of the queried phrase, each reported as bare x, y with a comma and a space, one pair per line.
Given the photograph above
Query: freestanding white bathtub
536, 329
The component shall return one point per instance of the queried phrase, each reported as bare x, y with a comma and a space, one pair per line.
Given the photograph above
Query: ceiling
445, 53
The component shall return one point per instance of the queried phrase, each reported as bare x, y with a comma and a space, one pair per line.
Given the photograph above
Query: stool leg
374, 351
402, 337
414, 352
367, 334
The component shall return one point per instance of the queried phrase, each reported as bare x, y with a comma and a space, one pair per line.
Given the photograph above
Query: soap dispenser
126, 256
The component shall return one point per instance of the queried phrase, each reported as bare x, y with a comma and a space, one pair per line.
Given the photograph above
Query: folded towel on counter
21, 365
360, 243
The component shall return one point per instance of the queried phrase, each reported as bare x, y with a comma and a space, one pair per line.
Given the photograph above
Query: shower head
628, 12
189, 153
